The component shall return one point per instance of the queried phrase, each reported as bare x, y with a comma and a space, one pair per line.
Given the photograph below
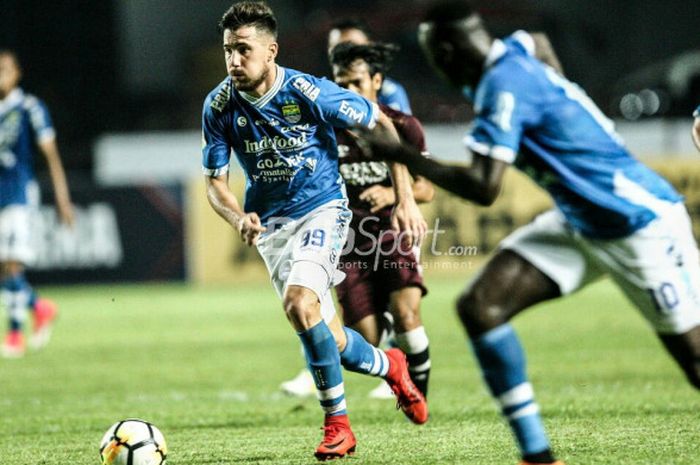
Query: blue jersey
24, 122
696, 113
529, 115
284, 140
393, 95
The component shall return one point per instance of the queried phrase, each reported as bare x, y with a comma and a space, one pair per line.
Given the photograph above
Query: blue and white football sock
323, 361
362, 357
502, 361
16, 294
416, 346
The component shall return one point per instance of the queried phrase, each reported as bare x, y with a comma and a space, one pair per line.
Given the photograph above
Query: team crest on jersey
242, 121
291, 112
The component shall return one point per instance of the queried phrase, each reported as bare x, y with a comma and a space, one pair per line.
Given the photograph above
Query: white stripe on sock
335, 408
414, 341
331, 393
529, 409
385, 362
517, 395
422, 367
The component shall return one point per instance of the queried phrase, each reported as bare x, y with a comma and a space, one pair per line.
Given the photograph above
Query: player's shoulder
219, 98
696, 113
31, 102
305, 84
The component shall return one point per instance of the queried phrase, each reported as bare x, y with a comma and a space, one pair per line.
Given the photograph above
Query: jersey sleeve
502, 109
696, 113
339, 107
40, 119
216, 150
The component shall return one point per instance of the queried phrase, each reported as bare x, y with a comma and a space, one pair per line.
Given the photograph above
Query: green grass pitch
204, 365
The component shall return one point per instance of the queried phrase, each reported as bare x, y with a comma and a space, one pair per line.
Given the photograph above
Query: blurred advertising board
460, 234
130, 233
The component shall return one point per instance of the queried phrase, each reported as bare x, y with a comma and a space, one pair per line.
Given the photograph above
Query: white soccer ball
133, 442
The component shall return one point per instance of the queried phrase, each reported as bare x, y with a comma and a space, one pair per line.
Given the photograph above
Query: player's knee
301, 307
477, 314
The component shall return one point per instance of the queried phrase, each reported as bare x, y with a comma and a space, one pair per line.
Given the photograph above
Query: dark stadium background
113, 66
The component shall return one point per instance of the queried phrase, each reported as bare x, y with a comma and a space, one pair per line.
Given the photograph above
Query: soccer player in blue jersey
280, 125
392, 94
696, 128
25, 129
613, 215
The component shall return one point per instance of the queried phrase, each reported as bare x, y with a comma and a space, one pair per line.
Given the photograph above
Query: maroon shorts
370, 280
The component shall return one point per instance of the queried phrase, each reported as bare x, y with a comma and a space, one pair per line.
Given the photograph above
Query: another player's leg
685, 349
411, 337
303, 309
16, 294
507, 285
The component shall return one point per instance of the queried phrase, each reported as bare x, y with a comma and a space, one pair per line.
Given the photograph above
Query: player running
25, 128
381, 273
392, 94
613, 215
279, 123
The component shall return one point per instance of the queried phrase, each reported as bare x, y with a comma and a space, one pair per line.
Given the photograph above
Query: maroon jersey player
382, 272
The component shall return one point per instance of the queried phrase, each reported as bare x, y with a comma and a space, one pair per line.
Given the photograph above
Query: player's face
9, 74
355, 36
456, 52
249, 54
356, 78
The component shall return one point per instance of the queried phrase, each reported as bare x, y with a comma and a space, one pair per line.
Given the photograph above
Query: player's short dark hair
352, 23
447, 11
257, 14
377, 55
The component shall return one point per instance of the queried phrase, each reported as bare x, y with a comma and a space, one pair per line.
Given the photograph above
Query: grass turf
204, 365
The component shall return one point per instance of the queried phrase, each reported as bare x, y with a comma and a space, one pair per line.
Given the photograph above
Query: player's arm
216, 154
226, 205
545, 52
423, 191
49, 149
480, 182
696, 129
406, 216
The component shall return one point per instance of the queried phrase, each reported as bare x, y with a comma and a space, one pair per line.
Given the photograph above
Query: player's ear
377, 81
272, 49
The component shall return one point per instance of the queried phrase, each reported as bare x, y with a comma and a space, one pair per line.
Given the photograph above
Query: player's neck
267, 84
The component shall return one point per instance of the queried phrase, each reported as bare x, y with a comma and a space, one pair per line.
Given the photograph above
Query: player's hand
250, 227
408, 219
65, 214
378, 197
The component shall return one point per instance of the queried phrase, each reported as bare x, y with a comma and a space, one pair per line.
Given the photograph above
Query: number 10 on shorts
313, 237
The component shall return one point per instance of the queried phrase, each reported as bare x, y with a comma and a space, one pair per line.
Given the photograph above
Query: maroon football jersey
360, 173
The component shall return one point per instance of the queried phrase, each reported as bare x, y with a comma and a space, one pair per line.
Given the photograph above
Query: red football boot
45, 313
338, 440
409, 399
13, 347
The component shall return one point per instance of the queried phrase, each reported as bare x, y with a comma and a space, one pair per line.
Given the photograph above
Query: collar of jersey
269, 95
12, 99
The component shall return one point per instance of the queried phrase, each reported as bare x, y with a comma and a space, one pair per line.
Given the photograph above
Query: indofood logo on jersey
275, 144
291, 112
